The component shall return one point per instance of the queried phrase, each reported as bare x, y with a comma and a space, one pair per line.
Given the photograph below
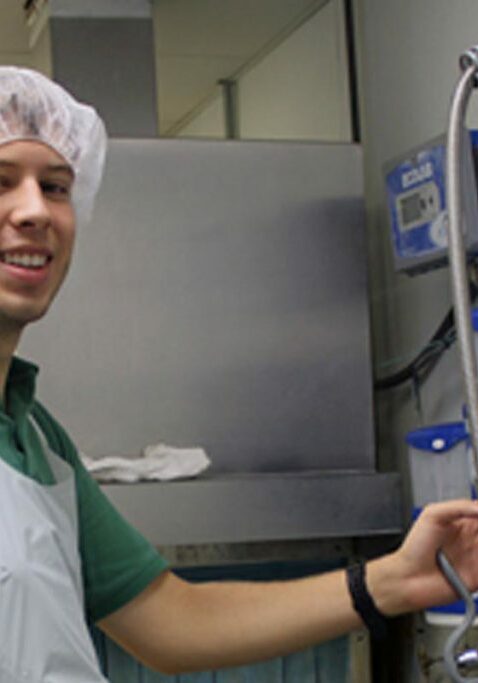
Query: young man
65, 554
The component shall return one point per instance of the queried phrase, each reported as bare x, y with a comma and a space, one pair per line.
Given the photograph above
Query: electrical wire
422, 365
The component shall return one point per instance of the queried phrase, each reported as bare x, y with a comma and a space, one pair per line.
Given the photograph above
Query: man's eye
56, 189
5, 182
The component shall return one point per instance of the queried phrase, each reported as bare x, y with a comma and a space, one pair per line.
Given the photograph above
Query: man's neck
8, 343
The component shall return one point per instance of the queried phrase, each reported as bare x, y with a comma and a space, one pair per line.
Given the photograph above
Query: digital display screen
411, 208
418, 206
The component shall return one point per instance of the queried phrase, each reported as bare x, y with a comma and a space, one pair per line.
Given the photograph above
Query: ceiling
202, 41
198, 42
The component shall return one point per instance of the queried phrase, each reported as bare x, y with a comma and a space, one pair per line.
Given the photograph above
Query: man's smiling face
37, 230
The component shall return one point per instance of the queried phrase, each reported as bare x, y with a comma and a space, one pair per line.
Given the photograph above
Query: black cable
426, 360
424, 357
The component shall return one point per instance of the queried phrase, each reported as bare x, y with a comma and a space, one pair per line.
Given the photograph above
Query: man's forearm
244, 622
223, 624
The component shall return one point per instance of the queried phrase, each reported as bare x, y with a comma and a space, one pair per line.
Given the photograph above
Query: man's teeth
25, 260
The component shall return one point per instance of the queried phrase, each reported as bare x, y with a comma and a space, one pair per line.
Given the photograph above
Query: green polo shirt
117, 562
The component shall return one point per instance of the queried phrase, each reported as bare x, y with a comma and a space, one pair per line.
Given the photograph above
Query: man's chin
22, 317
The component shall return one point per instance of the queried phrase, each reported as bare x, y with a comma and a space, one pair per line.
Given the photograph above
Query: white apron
43, 634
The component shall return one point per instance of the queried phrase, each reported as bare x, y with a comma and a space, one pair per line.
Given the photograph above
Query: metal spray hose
462, 306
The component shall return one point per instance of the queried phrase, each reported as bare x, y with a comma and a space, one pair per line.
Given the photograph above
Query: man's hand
412, 573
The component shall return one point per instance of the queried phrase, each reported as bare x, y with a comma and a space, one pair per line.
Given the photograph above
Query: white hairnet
32, 107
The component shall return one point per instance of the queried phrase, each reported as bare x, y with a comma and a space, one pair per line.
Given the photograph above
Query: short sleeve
117, 561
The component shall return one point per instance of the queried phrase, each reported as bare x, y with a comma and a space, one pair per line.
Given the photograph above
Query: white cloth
158, 462
43, 634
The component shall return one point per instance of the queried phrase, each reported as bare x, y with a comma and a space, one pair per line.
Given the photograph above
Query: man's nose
30, 208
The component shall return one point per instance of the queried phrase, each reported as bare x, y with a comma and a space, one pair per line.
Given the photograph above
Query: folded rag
158, 462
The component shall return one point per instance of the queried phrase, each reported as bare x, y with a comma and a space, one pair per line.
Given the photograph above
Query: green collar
20, 388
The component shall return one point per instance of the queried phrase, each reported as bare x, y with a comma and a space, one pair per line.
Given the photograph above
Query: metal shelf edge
262, 507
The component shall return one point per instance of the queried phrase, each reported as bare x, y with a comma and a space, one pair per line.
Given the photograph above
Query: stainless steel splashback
218, 299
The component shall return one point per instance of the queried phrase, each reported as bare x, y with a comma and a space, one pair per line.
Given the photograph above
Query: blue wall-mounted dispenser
440, 469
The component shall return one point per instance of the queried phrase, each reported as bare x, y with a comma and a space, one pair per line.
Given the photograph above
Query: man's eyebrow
60, 168
54, 168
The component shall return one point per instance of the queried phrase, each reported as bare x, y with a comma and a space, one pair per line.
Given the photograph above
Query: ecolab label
417, 175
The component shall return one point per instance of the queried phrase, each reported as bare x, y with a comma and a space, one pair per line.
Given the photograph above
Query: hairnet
32, 107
